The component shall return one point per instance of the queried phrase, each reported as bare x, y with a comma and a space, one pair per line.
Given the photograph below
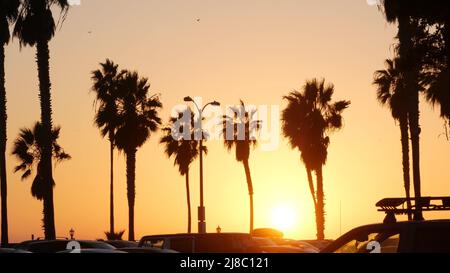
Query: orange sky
255, 50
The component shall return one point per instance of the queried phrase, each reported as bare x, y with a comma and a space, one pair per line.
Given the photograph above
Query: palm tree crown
179, 140
35, 22
28, 148
239, 131
105, 87
137, 112
8, 14
308, 119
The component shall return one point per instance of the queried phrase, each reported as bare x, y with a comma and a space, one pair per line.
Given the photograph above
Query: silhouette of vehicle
12, 251
427, 236
203, 243
216, 243
54, 246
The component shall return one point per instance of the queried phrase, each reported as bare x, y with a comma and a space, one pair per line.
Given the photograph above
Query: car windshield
377, 242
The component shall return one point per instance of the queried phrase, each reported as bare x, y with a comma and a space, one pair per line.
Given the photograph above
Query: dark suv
422, 237
399, 237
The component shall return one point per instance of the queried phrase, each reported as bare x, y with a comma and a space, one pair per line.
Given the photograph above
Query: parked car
53, 246
422, 236
203, 243
399, 237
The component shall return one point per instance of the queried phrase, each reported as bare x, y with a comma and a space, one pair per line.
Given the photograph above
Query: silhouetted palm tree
239, 132
137, 120
29, 151
35, 26
106, 82
179, 141
410, 17
8, 14
307, 121
391, 93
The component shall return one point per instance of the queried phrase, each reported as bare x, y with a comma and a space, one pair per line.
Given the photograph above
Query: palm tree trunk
131, 190
415, 144
3, 184
405, 160
320, 206
43, 56
188, 195
311, 186
250, 191
409, 68
111, 188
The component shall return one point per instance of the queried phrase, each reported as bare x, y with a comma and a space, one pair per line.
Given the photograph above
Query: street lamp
201, 208
72, 233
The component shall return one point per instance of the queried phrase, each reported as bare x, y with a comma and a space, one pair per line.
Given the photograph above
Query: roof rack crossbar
398, 206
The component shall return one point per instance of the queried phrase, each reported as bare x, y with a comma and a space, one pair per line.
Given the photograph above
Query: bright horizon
252, 50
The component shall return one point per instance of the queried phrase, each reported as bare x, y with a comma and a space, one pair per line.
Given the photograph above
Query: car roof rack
399, 206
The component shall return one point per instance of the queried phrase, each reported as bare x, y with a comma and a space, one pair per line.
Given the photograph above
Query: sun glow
284, 217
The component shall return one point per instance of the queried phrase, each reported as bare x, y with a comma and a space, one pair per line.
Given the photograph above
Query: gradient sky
255, 50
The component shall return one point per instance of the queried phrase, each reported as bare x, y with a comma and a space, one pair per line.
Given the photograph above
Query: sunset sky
255, 50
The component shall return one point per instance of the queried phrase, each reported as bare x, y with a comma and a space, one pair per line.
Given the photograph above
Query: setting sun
284, 217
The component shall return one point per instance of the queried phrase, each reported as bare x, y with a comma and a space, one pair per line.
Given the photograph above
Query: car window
376, 242
156, 243
432, 239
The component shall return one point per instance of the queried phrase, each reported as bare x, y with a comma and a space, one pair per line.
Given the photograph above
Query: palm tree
105, 87
180, 143
308, 119
400, 11
238, 131
35, 26
8, 14
391, 93
137, 120
29, 151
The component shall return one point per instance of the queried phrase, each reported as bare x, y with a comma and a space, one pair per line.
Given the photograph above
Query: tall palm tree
400, 11
391, 93
239, 133
35, 26
29, 151
308, 119
106, 81
137, 120
8, 14
179, 141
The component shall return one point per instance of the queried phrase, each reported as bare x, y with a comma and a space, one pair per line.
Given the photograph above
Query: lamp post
201, 208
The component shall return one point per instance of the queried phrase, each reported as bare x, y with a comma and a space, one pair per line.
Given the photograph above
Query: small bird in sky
198, 20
